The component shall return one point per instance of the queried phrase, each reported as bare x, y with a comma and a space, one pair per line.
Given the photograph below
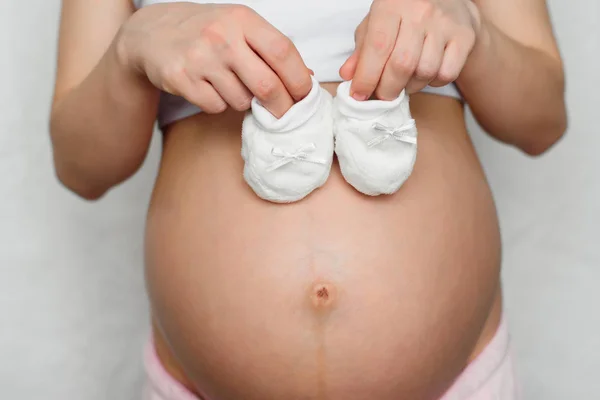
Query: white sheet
72, 308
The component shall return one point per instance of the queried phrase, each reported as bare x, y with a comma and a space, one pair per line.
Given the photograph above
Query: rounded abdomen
337, 296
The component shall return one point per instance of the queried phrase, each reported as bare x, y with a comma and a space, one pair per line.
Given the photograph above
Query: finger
402, 62
452, 63
281, 55
262, 82
202, 94
348, 69
429, 63
230, 88
381, 34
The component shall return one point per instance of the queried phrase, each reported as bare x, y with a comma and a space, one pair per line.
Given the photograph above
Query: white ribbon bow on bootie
400, 133
302, 154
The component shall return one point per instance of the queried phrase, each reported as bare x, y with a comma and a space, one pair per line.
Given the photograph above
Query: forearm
101, 129
515, 92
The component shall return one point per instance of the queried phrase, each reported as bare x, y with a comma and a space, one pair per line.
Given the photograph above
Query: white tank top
322, 30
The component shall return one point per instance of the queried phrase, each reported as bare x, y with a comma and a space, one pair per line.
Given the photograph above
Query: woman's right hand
214, 56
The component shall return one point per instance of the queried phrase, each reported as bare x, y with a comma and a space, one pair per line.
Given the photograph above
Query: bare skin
236, 283
112, 63
339, 295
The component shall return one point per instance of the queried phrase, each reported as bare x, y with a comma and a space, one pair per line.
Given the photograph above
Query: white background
73, 313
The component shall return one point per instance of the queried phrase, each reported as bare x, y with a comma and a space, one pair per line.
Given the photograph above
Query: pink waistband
479, 372
164, 387
161, 385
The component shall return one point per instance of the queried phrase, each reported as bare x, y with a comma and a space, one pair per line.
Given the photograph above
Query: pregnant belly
337, 296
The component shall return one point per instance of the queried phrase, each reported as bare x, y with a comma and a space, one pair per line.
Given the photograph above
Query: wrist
484, 35
123, 56
125, 81
479, 55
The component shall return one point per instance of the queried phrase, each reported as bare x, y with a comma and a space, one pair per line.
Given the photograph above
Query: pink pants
489, 377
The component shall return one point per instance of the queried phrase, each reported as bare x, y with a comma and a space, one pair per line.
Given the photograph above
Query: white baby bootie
287, 158
375, 141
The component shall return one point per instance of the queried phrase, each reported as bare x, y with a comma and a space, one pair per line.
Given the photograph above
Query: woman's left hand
410, 44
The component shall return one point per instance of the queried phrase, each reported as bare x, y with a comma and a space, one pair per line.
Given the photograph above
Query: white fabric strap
302, 154
401, 133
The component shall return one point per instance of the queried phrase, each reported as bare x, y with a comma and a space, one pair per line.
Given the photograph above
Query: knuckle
446, 23
173, 74
403, 63
300, 87
281, 47
239, 11
381, 7
379, 40
384, 6
195, 53
266, 89
360, 30
455, 28
214, 107
242, 103
425, 72
423, 11
447, 76
214, 34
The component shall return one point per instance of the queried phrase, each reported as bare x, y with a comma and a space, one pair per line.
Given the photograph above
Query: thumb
349, 68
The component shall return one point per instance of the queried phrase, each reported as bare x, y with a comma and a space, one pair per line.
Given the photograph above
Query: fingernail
359, 97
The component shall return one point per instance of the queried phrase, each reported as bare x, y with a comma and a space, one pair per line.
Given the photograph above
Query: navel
323, 295
323, 298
